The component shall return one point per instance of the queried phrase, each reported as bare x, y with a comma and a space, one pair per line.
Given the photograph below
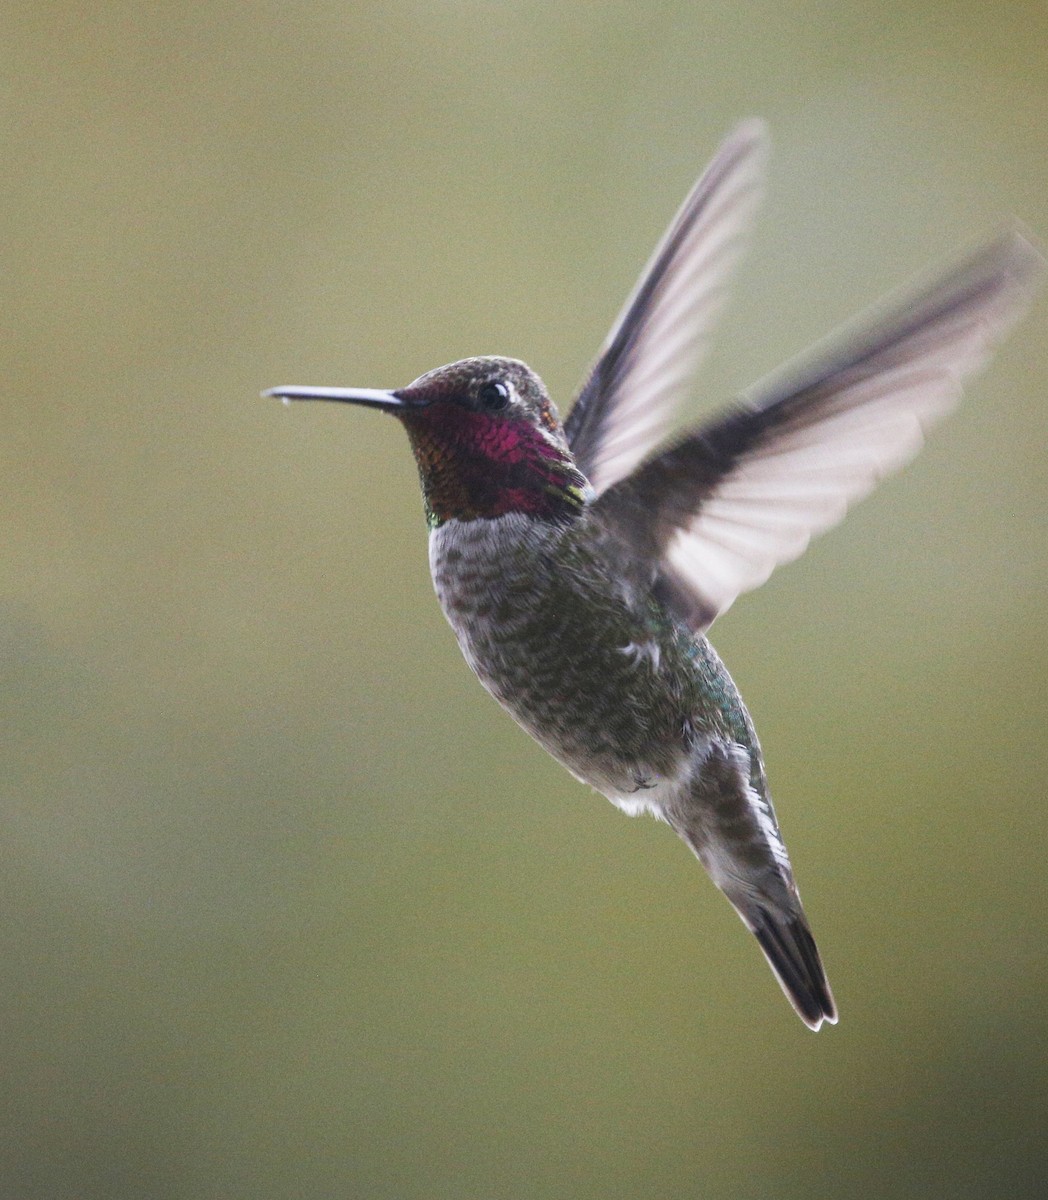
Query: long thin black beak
369, 397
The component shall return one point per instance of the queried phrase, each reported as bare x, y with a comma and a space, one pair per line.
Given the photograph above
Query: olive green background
288, 907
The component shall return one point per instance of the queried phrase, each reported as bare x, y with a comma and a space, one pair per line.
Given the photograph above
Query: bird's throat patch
477, 466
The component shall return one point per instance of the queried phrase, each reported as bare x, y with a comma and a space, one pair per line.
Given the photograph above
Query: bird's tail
731, 829
789, 947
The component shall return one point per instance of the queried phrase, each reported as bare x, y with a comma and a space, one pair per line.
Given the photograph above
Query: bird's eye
493, 395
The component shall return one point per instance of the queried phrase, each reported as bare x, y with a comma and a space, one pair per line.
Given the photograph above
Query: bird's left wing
720, 510
647, 363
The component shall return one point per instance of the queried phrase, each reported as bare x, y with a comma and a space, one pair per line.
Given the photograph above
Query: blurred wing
723, 508
646, 365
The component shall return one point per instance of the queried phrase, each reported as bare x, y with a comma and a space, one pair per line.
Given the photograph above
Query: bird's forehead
468, 372
463, 377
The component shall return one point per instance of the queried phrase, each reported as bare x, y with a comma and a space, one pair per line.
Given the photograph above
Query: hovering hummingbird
580, 564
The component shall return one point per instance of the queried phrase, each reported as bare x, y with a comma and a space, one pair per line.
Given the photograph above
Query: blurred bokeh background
289, 907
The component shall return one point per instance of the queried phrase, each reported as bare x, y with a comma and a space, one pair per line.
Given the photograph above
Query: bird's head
486, 437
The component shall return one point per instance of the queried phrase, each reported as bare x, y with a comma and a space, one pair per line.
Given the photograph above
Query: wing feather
735, 499
645, 367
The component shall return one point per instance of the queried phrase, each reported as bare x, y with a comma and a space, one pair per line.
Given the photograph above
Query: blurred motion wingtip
752, 130
1024, 255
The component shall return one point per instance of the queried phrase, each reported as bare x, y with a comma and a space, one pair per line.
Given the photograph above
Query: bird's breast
562, 644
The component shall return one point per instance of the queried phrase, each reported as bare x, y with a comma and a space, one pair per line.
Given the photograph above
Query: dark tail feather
790, 949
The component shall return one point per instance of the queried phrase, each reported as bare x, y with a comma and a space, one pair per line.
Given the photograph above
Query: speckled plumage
597, 672
581, 565
592, 663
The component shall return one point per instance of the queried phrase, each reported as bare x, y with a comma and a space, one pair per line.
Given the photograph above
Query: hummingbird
581, 563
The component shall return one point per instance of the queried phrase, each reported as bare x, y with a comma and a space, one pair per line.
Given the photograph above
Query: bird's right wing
720, 510
645, 367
